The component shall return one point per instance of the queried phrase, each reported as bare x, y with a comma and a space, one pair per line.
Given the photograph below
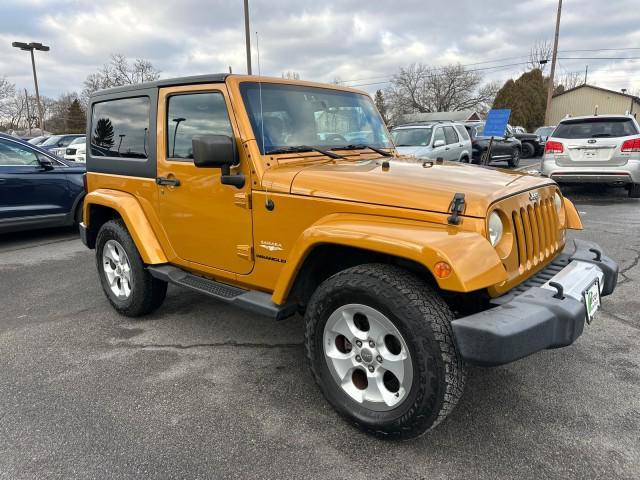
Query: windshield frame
368, 115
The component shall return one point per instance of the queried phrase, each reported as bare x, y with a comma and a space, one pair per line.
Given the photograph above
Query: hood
415, 151
525, 136
404, 184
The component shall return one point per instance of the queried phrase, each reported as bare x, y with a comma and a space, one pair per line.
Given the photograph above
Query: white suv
595, 149
433, 140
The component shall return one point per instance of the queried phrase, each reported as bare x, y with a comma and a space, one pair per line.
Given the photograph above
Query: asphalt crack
179, 346
633, 264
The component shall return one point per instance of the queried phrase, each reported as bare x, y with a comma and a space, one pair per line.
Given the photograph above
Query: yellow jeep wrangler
284, 196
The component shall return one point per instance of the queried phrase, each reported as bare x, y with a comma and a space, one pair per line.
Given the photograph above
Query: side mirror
217, 151
438, 144
45, 163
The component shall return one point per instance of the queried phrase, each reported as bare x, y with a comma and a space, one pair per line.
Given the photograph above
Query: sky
359, 43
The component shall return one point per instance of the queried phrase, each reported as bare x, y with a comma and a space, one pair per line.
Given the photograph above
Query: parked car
77, 150
504, 149
38, 140
405, 271
37, 189
57, 144
544, 133
595, 149
531, 146
446, 140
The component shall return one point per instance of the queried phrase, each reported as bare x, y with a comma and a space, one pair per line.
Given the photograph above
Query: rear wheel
464, 159
634, 190
514, 161
129, 287
528, 150
381, 348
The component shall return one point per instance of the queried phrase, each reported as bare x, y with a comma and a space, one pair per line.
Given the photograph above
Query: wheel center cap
367, 356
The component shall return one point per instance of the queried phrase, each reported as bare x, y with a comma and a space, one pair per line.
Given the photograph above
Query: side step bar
252, 300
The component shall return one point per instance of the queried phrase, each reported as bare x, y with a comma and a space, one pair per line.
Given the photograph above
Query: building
457, 116
583, 100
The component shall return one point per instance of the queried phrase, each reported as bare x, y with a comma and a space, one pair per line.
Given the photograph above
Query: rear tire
514, 161
409, 327
634, 190
528, 150
464, 159
129, 287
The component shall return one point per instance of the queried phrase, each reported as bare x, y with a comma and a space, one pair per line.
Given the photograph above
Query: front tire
514, 161
381, 348
129, 287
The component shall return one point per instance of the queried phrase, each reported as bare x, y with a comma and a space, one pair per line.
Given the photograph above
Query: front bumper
534, 316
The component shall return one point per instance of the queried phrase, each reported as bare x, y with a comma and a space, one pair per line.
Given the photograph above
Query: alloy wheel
117, 269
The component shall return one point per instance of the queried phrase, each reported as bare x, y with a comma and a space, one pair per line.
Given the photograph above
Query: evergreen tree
76, 119
103, 133
381, 105
527, 99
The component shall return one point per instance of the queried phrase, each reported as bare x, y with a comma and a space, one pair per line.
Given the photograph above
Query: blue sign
496, 123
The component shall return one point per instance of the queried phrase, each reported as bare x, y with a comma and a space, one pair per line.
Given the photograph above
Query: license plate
592, 300
590, 154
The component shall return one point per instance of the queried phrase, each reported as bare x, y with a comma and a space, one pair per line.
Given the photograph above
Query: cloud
346, 39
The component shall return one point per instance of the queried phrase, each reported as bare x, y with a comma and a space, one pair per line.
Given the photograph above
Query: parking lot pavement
201, 390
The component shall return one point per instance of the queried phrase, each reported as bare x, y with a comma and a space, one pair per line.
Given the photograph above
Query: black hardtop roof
165, 82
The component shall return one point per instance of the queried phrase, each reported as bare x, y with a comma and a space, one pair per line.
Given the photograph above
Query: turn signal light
442, 269
554, 147
631, 145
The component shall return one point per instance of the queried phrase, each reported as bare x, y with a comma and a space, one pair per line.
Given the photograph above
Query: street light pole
547, 114
247, 35
31, 47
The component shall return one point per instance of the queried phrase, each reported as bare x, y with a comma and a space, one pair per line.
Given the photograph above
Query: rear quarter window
462, 131
120, 128
596, 128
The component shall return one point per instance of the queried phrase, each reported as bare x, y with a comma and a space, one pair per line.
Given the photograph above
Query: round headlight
496, 228
557, 199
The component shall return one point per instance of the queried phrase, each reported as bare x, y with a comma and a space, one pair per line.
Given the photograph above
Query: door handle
172, 182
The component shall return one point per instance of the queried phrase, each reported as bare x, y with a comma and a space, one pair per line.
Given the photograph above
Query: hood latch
456, 208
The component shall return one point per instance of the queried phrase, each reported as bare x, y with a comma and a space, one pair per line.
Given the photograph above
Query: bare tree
420, 88
540, 55
569, 80
289, 75
118, 71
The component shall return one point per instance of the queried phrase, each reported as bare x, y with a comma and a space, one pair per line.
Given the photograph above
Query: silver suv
595, 149
432, 140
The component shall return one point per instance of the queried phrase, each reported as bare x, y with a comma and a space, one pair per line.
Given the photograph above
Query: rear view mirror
217, 151
438, 143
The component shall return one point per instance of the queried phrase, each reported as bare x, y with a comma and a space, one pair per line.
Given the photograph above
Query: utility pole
26, 97
547, 120
586, 72
247, 35
31, 47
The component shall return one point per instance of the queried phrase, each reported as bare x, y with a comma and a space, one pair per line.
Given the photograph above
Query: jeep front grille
536, 233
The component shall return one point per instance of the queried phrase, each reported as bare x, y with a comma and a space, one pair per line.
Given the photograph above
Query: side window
463, 132
119, 128
13, 154
438, 135
194, 114
450, 135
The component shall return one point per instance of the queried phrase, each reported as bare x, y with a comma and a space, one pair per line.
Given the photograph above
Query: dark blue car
37, 189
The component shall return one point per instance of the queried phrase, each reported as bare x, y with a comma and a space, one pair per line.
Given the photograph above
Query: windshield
292, 115
78, 140
596, 128
412, 137
544, 131
51, 141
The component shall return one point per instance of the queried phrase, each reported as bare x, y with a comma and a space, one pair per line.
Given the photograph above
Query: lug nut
358, 343
371, 368
358, 358
379, 359
371, 343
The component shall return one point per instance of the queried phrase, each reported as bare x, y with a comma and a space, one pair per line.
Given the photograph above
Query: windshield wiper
362, 146
304, 148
